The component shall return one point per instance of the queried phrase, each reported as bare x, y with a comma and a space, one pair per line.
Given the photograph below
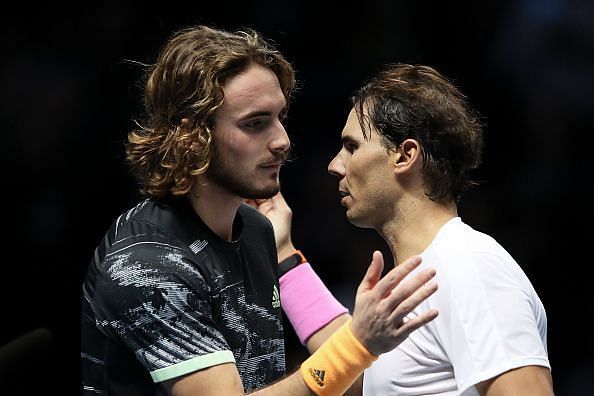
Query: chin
358, 221
263, 193
352, 218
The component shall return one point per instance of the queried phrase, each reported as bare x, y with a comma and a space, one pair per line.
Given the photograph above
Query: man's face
366, 176
249, 140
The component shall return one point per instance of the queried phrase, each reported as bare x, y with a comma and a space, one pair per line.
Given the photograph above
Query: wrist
333, 368
307, 302
294, 259
285, 251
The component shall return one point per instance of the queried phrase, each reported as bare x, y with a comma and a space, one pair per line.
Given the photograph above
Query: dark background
69, 96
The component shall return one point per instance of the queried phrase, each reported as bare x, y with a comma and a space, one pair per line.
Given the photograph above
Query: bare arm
523, 381
224, 380
317, 339
377, 323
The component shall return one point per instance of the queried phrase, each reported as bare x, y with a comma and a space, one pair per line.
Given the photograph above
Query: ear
407, 157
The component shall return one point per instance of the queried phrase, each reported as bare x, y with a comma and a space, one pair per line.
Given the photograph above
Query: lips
275, 164
343, 195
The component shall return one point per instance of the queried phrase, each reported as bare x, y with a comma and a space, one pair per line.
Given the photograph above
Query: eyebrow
257, 113
261, 113
348, 139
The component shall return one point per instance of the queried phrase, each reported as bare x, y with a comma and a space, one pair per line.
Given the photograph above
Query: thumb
374, 272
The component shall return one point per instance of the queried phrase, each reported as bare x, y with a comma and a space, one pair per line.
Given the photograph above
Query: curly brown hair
415, 101
186, 83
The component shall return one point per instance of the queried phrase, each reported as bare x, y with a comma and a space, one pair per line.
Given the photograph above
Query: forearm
291, 385
329, 371
284, 250
319, 337
309, 305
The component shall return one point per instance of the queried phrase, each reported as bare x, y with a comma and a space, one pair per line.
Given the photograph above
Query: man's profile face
365, 169
249, 141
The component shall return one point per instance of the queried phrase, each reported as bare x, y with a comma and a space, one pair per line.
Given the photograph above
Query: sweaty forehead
354, 131
352, 128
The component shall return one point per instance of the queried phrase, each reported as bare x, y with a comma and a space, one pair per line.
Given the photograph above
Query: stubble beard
238, 182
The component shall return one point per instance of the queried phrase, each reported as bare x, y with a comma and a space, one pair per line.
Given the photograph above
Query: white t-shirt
490, 321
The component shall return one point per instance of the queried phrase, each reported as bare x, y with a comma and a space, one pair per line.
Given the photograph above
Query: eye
350, 146
256, 123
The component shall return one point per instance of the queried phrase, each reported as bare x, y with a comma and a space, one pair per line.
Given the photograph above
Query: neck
415, 225
216, 207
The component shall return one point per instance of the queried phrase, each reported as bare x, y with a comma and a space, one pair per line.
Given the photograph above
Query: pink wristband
307, 302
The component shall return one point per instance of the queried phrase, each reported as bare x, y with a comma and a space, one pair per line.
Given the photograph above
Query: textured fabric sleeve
157, 303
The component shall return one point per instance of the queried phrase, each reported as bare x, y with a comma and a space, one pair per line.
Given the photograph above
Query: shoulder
459, 240
467, 259
152, 220
139, 235
138, 219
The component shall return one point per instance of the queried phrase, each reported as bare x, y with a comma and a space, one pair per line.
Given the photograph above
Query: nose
336, 167
280, 142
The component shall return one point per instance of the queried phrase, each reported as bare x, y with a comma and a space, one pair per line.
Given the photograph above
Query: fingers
374, 272
414, 323
414, 292
259, 201
383, 316
385, 286
263, 205
278, 201
415, 286
401, 297
278, 196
